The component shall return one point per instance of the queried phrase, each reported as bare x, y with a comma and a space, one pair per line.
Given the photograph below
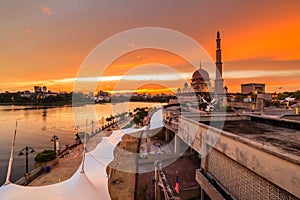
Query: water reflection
36, 131
44, 114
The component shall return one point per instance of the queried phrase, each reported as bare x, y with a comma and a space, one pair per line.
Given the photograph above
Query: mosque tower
219, 82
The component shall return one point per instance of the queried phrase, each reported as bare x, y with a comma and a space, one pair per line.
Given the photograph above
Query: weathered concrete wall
227, 117
208, 187
262, 164
285, 123
25, 180
241, 105
278, 112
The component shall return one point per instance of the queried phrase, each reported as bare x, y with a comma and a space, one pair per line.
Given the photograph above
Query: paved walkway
64, 170
156, 147
70, 163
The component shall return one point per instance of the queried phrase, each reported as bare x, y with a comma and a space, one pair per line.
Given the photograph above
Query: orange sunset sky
44, 42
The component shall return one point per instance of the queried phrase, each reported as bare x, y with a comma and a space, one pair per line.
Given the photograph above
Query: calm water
37, 126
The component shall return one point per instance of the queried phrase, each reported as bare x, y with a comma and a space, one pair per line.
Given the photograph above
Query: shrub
45, 156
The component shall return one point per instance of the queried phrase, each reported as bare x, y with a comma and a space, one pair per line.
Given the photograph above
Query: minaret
219, 82
218, 57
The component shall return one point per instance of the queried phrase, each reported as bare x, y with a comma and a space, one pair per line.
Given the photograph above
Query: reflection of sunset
257, 37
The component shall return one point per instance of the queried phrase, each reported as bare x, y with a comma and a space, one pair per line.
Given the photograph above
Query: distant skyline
45, 42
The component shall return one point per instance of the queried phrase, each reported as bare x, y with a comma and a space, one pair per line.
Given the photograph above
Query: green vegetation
297, 94
284, 95
139, 115
59, 99
45, 156
110, 119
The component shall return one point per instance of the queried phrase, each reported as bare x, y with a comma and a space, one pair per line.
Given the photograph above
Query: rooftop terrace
284, 139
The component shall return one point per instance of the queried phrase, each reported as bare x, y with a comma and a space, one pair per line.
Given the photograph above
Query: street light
54, 139
92, 127
26, 150
78, 141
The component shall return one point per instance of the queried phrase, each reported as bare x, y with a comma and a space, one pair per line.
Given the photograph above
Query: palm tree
108, 119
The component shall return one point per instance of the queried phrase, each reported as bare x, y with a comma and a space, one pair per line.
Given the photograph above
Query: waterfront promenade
118, 183
66, 167
70, 162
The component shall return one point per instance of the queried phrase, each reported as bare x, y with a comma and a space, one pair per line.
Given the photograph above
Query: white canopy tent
92, 184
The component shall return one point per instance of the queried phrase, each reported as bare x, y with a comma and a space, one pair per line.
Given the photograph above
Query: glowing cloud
46, 10
260, 73
29, 31
153, 77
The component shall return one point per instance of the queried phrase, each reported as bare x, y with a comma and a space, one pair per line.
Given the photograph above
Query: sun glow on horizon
39, 45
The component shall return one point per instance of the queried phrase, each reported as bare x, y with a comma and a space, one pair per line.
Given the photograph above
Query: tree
45, 156
140, 114
136, 120
108, 119
297, 94
282, 95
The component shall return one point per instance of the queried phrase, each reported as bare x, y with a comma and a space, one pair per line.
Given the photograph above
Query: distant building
200, 85
44, 89
253, 88
91, 95
103, 96
26, 94
37, 89
41, 92
200, 81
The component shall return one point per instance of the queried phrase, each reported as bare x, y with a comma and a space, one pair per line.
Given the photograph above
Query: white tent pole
11, 157
84, 146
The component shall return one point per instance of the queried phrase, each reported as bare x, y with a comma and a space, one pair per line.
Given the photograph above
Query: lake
36, 126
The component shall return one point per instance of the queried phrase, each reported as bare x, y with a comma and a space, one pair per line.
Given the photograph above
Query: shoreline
126, 185
42, 131
70, 104
71, 161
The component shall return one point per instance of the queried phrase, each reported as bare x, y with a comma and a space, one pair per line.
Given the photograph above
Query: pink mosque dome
200, 74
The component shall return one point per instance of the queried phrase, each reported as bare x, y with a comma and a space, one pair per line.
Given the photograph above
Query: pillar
148, 145
260, 104
176, 144
167, 135
204, 169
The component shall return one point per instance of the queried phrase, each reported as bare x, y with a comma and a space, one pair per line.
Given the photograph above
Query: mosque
200, 82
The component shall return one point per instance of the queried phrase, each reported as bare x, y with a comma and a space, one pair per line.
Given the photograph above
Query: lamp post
92, 127
26, 151
54, 139
78, 141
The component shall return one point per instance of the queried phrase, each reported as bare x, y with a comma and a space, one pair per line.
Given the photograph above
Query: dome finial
200, 66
